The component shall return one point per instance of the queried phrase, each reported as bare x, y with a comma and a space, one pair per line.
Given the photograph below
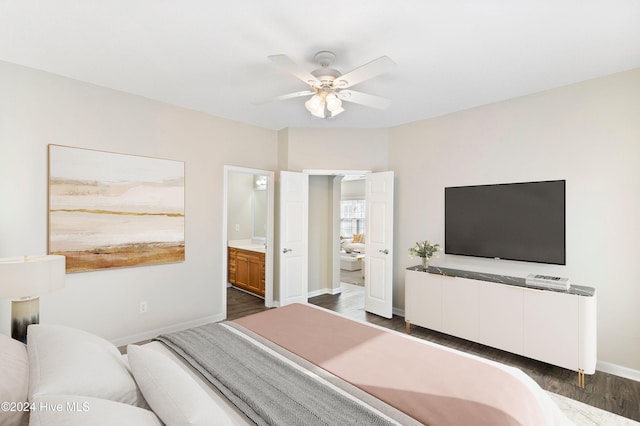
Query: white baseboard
315, 293
618, 370
398, 311
145, 335
332, 291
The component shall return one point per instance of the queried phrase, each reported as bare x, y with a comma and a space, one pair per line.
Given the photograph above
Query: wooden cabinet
247, 270
555, 327
231, 265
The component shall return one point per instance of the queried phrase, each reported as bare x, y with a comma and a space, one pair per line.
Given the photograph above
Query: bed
297, 364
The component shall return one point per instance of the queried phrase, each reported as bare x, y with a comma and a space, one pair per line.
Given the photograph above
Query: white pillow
67, 361
14, 379
73, 410
171, 393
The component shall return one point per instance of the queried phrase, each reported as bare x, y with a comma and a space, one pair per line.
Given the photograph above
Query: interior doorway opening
248, 232
329, 239
352, 229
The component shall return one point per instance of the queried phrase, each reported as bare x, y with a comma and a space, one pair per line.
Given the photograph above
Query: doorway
378, 258
248, 218
326, 246
352, 229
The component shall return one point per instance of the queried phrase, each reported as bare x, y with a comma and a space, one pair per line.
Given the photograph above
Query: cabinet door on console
460, 307
423, 299
501, 317
551, 327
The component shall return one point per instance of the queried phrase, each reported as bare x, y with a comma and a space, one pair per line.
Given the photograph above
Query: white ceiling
211, 56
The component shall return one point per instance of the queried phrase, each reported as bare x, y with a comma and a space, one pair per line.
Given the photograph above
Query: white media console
553, 326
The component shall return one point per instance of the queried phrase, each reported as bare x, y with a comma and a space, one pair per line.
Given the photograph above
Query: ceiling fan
328, 87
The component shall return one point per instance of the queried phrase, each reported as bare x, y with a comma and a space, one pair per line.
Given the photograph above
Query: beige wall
588, 134
353, 189
37, 109
337, 149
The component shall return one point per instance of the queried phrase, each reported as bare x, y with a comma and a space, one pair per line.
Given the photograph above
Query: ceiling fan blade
364, 99
284, 97
369, 70
294, 95
284, 62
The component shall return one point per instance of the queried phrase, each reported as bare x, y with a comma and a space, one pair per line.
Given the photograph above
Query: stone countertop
501, 279
248, 245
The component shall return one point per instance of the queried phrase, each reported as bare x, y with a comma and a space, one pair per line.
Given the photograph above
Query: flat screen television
516, 221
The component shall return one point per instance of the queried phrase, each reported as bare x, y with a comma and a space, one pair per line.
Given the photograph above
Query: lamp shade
333, 103
28, 276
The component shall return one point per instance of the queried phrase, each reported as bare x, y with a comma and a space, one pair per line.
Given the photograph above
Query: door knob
385, 251
285, 250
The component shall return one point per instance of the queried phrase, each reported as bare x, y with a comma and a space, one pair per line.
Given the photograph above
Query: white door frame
268, 296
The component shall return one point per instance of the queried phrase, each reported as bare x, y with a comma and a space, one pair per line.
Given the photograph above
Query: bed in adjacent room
298, 364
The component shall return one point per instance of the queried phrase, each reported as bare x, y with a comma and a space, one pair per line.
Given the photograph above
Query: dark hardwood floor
606, 391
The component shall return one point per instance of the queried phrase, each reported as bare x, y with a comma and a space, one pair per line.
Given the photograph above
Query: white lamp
23, 279
315, 105
323, 98
334, 104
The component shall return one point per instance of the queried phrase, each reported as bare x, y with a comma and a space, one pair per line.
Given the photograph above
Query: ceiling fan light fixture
329, 87
337, 111
314, 103
318, 113
334, 103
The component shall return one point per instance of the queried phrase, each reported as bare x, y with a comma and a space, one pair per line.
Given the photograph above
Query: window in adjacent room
352, 217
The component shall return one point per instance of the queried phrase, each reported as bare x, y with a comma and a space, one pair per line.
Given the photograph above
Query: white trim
149, 334
618, 370
322, 291
397, 311
335, 251
323, 172
315, 293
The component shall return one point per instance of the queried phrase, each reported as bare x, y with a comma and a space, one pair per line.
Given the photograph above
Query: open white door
294, 236
378, 261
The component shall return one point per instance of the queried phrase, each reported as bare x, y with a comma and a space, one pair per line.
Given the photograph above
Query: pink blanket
431, 383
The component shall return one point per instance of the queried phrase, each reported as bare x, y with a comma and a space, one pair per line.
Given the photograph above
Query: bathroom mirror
259, 208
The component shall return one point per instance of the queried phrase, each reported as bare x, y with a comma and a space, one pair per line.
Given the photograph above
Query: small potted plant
424, 250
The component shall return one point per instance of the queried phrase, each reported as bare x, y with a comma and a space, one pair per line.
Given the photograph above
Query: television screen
517, 221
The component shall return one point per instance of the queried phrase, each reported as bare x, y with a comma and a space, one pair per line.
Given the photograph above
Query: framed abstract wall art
109, 210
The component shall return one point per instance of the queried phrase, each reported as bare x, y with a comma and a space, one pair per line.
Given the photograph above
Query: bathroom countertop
248, 245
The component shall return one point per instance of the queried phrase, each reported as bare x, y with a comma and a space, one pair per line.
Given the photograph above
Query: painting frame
111, 210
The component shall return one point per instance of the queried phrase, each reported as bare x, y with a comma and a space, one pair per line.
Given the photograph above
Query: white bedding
233, 414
